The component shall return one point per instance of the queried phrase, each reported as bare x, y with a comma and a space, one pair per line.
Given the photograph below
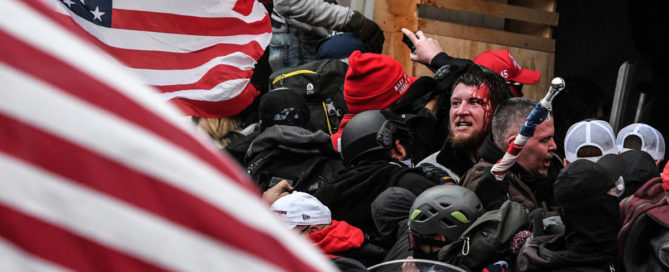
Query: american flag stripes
97, 175
199, 53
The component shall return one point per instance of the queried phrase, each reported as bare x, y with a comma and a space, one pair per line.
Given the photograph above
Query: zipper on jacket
327, 117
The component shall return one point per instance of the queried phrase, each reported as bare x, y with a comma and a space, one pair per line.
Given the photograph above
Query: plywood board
501, 10
486, 35
393, 15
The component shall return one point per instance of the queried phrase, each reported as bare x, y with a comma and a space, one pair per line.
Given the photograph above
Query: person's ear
565, 162
398, 151
509, 140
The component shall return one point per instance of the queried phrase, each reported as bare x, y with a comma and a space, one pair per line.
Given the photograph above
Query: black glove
435, 174
490, 191
367, 31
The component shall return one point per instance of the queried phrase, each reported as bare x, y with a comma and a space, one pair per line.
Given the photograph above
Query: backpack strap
650, 196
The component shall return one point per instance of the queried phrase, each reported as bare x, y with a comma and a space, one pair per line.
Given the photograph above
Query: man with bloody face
474, 97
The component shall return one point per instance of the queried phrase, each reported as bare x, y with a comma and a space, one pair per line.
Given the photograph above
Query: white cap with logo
301, 209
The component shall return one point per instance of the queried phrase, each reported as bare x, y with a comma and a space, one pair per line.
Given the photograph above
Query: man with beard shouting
473, 100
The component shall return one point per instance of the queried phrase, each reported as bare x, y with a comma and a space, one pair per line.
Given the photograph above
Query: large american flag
97, 174
198, 53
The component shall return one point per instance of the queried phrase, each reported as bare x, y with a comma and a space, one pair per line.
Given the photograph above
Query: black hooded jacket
350, 196
589, 243
549, 253
288, 152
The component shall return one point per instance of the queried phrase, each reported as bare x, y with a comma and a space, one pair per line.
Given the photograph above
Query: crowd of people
405, 172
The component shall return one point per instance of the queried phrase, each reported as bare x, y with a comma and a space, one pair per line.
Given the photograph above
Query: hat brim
423, 86
527, 76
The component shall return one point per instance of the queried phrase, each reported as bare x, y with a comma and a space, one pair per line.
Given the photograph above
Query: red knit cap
374, 82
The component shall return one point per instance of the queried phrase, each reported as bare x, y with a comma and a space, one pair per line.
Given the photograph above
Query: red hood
335, 137
340, 236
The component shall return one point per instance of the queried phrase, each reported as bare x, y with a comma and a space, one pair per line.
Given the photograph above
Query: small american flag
199, 53
98, 175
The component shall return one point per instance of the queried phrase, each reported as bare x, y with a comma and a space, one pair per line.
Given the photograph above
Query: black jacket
350, 196
548, 253
456, 160
590, 241
287, 152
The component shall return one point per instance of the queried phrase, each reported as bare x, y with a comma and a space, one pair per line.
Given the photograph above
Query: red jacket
337, 135
338, 237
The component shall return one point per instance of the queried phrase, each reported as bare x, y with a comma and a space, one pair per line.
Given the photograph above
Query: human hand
409, 266
277, 191
436, 174
426, 48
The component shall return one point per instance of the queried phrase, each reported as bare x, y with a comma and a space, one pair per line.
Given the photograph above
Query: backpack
645, 214
321, 82
306, 159
488, 239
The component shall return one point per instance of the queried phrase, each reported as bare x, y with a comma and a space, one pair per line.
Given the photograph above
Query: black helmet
444, 209
371, 131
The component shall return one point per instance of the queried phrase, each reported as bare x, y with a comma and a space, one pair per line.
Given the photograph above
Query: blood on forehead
483, 93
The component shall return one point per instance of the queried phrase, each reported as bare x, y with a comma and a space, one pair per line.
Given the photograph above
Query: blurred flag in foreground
198, 53
97, 175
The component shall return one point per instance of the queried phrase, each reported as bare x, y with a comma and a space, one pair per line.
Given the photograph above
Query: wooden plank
486, 35
531, 28
526, 28
497, 9
547, 5
459, 17
393, 15
541, 61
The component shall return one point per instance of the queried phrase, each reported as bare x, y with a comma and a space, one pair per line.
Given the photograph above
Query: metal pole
639, 108
623, 86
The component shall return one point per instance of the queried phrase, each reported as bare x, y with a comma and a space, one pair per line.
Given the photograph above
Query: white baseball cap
595, 133
652, 141
301, 209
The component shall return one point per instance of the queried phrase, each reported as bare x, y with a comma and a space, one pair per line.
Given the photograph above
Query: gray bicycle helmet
444, 209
